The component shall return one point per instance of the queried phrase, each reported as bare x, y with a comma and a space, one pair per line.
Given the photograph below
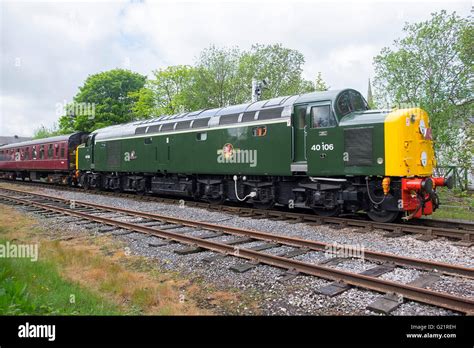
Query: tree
105, 99
222, 77
168, 93
280, 66
319, 84
432, 66
217, 79
44, 132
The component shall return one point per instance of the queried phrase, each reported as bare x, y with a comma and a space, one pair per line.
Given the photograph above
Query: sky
49, 48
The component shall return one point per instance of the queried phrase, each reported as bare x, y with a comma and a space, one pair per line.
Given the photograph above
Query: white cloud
58, 44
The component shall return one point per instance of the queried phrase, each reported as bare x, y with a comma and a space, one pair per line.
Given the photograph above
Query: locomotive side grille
249, 116
358, 145
113, 152
183, 125
229, 119
153, 129
202, 122
140, 130
268, 114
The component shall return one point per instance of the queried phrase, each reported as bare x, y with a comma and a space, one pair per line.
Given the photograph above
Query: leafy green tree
217, 80
105, 99
280, 66
319, 84
169, 92
45, 132
432, 66
221, 77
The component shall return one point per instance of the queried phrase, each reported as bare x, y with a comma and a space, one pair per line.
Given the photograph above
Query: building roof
4, 140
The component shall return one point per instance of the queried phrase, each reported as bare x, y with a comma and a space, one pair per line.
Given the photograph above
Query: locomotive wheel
327, 212
215, 200
85, 183
383, 215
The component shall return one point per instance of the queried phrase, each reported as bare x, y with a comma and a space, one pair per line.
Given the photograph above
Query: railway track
428, 229
184, 231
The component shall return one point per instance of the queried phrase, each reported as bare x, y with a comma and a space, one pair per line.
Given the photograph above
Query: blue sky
49, 48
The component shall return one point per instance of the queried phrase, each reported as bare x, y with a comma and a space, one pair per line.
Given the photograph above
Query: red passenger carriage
52, 159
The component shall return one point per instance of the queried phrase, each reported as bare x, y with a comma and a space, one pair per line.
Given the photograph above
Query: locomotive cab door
89, 152
324, 143
300, 121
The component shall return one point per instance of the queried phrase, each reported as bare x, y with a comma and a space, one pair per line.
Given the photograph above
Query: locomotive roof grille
229, 119
261, 110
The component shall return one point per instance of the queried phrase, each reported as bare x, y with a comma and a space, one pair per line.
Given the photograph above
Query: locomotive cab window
321, 117
350, 101
259, 131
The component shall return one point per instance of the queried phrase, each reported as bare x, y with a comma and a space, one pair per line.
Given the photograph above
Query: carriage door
324, 141
299, 129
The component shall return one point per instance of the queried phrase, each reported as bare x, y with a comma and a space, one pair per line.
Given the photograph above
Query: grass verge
78, 273
455, 204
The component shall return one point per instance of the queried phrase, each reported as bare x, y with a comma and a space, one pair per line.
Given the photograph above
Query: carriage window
42, 152
201, 136
56, 150
62, 152
50, 151
259, 131
147, 141
34, 153
27, 153
321, 117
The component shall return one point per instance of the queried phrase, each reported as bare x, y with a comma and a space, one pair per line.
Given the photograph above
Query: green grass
36, 288
455, 204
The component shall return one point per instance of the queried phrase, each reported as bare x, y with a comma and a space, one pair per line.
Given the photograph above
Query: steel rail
464, 230
289, 241
439, 299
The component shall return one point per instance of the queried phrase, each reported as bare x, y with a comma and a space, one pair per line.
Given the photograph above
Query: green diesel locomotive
325, 151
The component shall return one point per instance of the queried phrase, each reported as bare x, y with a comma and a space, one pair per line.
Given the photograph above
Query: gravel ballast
296, 296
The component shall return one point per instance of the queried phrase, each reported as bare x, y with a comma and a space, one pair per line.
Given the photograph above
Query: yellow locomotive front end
409, 155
